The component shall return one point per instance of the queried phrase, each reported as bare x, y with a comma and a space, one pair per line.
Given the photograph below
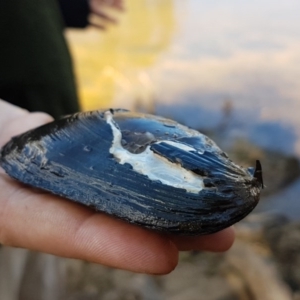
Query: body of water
207, 64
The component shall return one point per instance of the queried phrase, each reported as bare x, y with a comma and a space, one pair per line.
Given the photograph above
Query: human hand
36, 220
99, 10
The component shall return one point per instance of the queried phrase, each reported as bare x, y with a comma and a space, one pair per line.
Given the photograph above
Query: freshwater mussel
141, 168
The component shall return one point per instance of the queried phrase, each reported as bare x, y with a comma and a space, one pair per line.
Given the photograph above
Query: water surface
211, 65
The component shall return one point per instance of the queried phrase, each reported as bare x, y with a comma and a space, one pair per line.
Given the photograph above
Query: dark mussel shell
141, 168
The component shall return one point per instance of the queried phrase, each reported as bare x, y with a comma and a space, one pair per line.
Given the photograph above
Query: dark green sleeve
36, 70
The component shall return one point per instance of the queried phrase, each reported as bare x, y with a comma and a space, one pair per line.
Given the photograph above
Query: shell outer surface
141, 168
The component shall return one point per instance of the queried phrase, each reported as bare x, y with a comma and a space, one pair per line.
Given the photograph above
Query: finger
98, 11
8, 111
22, 121
118, 4
217, 242
96, 25
53, 225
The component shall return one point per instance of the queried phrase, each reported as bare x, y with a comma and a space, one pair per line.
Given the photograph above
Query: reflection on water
112, 66
188, 58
